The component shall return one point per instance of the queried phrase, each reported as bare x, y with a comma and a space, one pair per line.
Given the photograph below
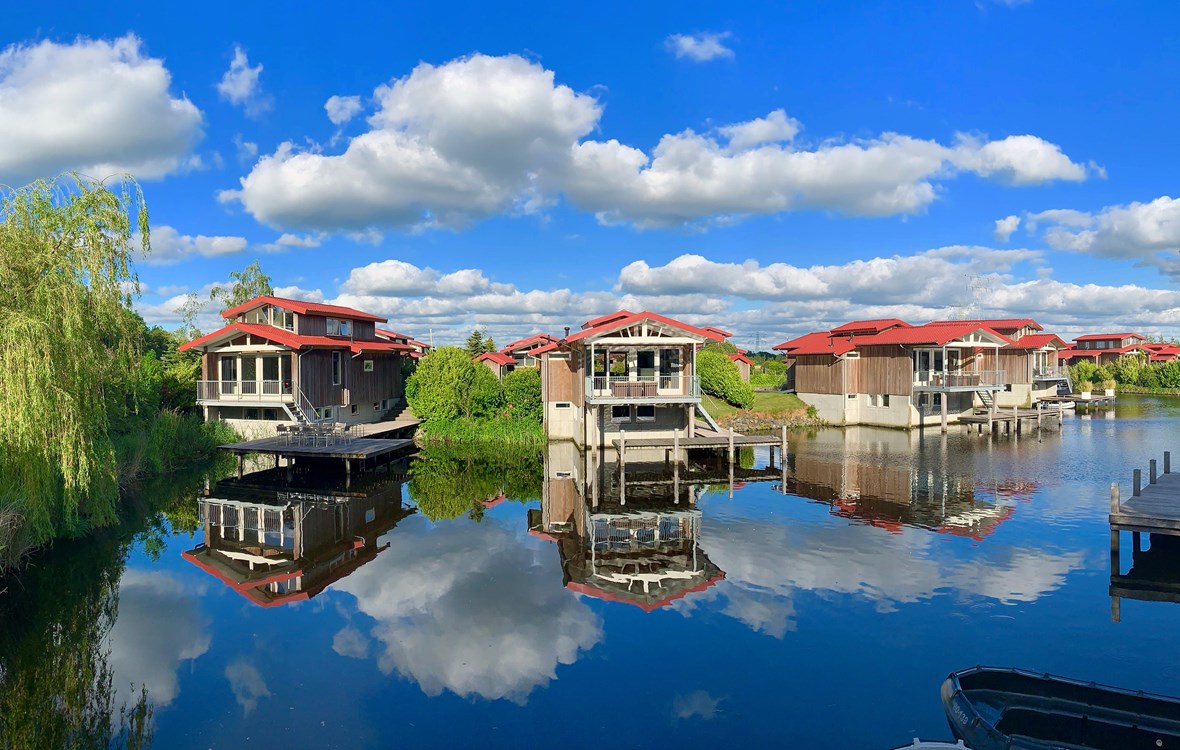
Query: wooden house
743, 363
523, 352
283, 360
1104, 348
417, 348
890, 373
624, 371
499, 364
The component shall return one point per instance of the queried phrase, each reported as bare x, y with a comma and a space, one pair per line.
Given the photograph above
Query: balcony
245, 392
652, 389
1050, 373
945, 381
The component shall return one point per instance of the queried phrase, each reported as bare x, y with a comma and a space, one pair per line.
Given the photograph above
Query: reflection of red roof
611, 596
294, 340
492, 502
303, 308
495, 358
979, 535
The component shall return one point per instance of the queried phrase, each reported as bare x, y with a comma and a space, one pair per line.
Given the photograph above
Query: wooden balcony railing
246, 390
947, 379
642, 387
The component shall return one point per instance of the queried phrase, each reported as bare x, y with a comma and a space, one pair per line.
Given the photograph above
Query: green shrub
1126, 369
522, 394
1149, 377
1169, 374
1102, 374
1085, 386
767, 379
1083, 370
720, 378
447, 385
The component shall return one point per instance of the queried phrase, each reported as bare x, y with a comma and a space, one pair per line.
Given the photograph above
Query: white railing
948, 379
1050, 372
641, 386
246, 390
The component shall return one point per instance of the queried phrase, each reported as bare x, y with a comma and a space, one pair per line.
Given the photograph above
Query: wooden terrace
1151, 509
347, 450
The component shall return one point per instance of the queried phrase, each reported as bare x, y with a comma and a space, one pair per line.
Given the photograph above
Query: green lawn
764, 403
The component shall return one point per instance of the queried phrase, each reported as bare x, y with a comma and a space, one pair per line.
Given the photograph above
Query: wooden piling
1151, 477
1167, 462
1136, 482
1114, 497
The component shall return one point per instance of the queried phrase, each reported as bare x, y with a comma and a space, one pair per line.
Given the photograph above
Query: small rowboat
1013, 709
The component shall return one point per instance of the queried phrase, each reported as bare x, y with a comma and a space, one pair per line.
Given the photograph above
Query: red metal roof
936, 335
817, 342
872, 326
303, 308
496, 357
1037, 340
719, 331
1105, 336
293, 340
741, 358
539, 338
995, 323
622, 319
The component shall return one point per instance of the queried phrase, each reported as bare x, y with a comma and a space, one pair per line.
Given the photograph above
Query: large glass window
645, 363
669, 361
337, 368
337, 327
620, 414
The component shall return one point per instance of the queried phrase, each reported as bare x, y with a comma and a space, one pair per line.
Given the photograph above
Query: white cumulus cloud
1005, 227
1131, 231
94, 106
341, 109
481, 136
170, 246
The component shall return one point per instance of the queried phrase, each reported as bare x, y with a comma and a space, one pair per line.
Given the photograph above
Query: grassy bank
770, 411
495, 431
1140, 390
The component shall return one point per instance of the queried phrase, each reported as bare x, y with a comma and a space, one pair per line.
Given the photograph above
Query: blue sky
770, 169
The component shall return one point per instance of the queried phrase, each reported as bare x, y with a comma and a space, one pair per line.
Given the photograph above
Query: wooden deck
357, 448
1152, 508
706, 441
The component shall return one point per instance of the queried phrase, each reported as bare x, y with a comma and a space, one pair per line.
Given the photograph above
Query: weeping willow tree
67, 344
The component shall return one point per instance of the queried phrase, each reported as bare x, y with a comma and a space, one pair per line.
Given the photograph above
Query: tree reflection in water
450, 481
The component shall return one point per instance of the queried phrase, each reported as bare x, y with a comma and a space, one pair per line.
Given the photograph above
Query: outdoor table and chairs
314, 435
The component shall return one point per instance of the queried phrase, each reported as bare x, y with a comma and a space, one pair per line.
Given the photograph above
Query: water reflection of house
279, 547
879, 477
641, 547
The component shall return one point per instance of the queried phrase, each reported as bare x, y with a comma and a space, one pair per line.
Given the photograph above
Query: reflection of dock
1153, 509
348, 450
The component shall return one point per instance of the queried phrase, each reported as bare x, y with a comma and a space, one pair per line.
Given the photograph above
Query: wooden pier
1153, 508
1011, 421
355, 449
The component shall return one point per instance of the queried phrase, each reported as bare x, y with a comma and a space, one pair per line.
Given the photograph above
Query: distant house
1160, 353
891, 373
499, 364
1104, 348
633, 371
283, 360
744, 364
523, 352
417, 348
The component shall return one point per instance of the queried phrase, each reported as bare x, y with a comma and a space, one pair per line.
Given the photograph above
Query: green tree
522, 394
247, 284
447, 385
720, 377
474, 345
66, 341
489, 345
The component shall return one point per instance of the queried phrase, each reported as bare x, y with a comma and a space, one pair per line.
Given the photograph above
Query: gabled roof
535, 339
498, 358
817, 342
622, 319
283, 337
1105, 336
719, 331
302, 307
392, 335
1038, 341
741, 358
609, 317
870, 326
996, 324
936, 335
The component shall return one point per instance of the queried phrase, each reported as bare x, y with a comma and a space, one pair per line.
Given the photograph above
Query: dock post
1151, 477
347, 473
944, 410
1016, 417
1114, 497
782, 452
676, 483
730, 445
675, 447
1136, 482
241, 465
1167, 462
276, 460
622, 467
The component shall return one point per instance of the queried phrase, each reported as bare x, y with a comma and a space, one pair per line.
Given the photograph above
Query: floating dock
349, 450
1011, 420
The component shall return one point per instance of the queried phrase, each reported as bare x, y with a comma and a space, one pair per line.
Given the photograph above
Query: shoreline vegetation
97, 401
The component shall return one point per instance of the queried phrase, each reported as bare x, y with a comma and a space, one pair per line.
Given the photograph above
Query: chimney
567, 332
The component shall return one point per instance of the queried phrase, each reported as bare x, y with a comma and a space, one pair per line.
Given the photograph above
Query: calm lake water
490, 602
